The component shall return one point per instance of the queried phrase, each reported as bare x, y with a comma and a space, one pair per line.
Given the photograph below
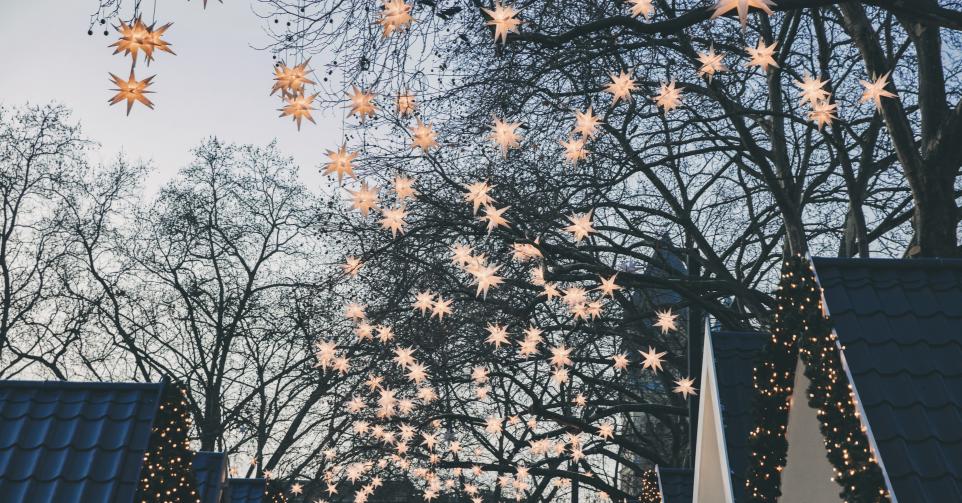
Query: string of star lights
167, 475
800, 329
137, 39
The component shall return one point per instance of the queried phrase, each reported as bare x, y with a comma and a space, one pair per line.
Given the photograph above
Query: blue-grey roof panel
677, 484
210, 470
73, 442
246, 490
900, 323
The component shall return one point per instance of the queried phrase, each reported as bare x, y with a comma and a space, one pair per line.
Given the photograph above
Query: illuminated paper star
404, 187
606, 431
497, 335
652, 359
608, 286
580, 400
875, 91
762, 55
668, 97
423, 137
641, 8
423, 301
524, 252
417, 373
685, 386
504, 135
393, 220
441, 307
580, 226
404, 356
561, 356
478, 195
352, 265
298, 108
586, 123
364, 199
812, 89
384, 333
395, 15
405, 104
134, 38
290, 80
574, 150
155, 41
620, 361
711, 63
131, 90
493, 425
666, 320
823, 113
354, 311
742, 6
362, 103
325, 352
479, 375
504, 20
356, 405
486, 277
494, 217
559, 375
621, 87
340, 163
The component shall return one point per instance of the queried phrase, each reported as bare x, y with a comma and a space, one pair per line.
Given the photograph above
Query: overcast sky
216, 84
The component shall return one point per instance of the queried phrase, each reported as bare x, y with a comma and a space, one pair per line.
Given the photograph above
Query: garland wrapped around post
167, 475
650, 493
800, 329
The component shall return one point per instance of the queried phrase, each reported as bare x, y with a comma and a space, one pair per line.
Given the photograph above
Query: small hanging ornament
131, 90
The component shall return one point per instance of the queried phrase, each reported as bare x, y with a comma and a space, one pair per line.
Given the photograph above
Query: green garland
167, 475
649, 488
800, 329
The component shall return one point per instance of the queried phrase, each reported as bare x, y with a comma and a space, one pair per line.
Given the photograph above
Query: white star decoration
742, 6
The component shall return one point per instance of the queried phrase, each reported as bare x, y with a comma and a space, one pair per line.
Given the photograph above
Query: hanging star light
606, 431
711, 63
608, 286
504, 21
478, 195
823, 113
504, 135
762, 55
581, 226
642, 8
652, 359
423, 301
340, 163
156, 42
666, 320
621, 87
131, 90
668, 97
497, 335
393, 220
486, 277
404, 188
494, 217
574, 150
362, 103
364, 199
352, 265
405, 104
441, 307
620, 361
685, 386
395, 15
134, 38
742, 6
290, 80
423, 137
812, 89
299, 107
875, 91
586, 123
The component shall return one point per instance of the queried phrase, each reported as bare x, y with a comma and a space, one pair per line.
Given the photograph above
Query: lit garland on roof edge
167, 475
800, 329
649, 488
856, 468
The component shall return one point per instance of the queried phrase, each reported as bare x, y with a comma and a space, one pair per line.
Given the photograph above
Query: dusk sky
218, 83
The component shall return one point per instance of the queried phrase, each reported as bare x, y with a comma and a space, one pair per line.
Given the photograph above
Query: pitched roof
73, 442
900, 324
210, 469
735, 355
246, 490
676, 484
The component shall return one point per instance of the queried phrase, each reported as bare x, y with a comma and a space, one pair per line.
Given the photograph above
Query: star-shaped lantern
762, 55
652, 359
581, 226
621, 87
641, 8
666, 320
395, 15
685, 386
742, 6
362, 103
504, 135
812, 89
290, 80
364, 199
405, 104
875, 91
340, 163
504, 20
711, 63
298, 108
131, 90
423, 136
668, 97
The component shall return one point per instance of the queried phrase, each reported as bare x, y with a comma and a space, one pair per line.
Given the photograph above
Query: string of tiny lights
167, 475
800, 329
650, 492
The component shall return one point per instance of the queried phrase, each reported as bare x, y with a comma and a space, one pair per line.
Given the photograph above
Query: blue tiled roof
900, 323
210, 469
735, 356
677, 484
73, 442
246, 490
